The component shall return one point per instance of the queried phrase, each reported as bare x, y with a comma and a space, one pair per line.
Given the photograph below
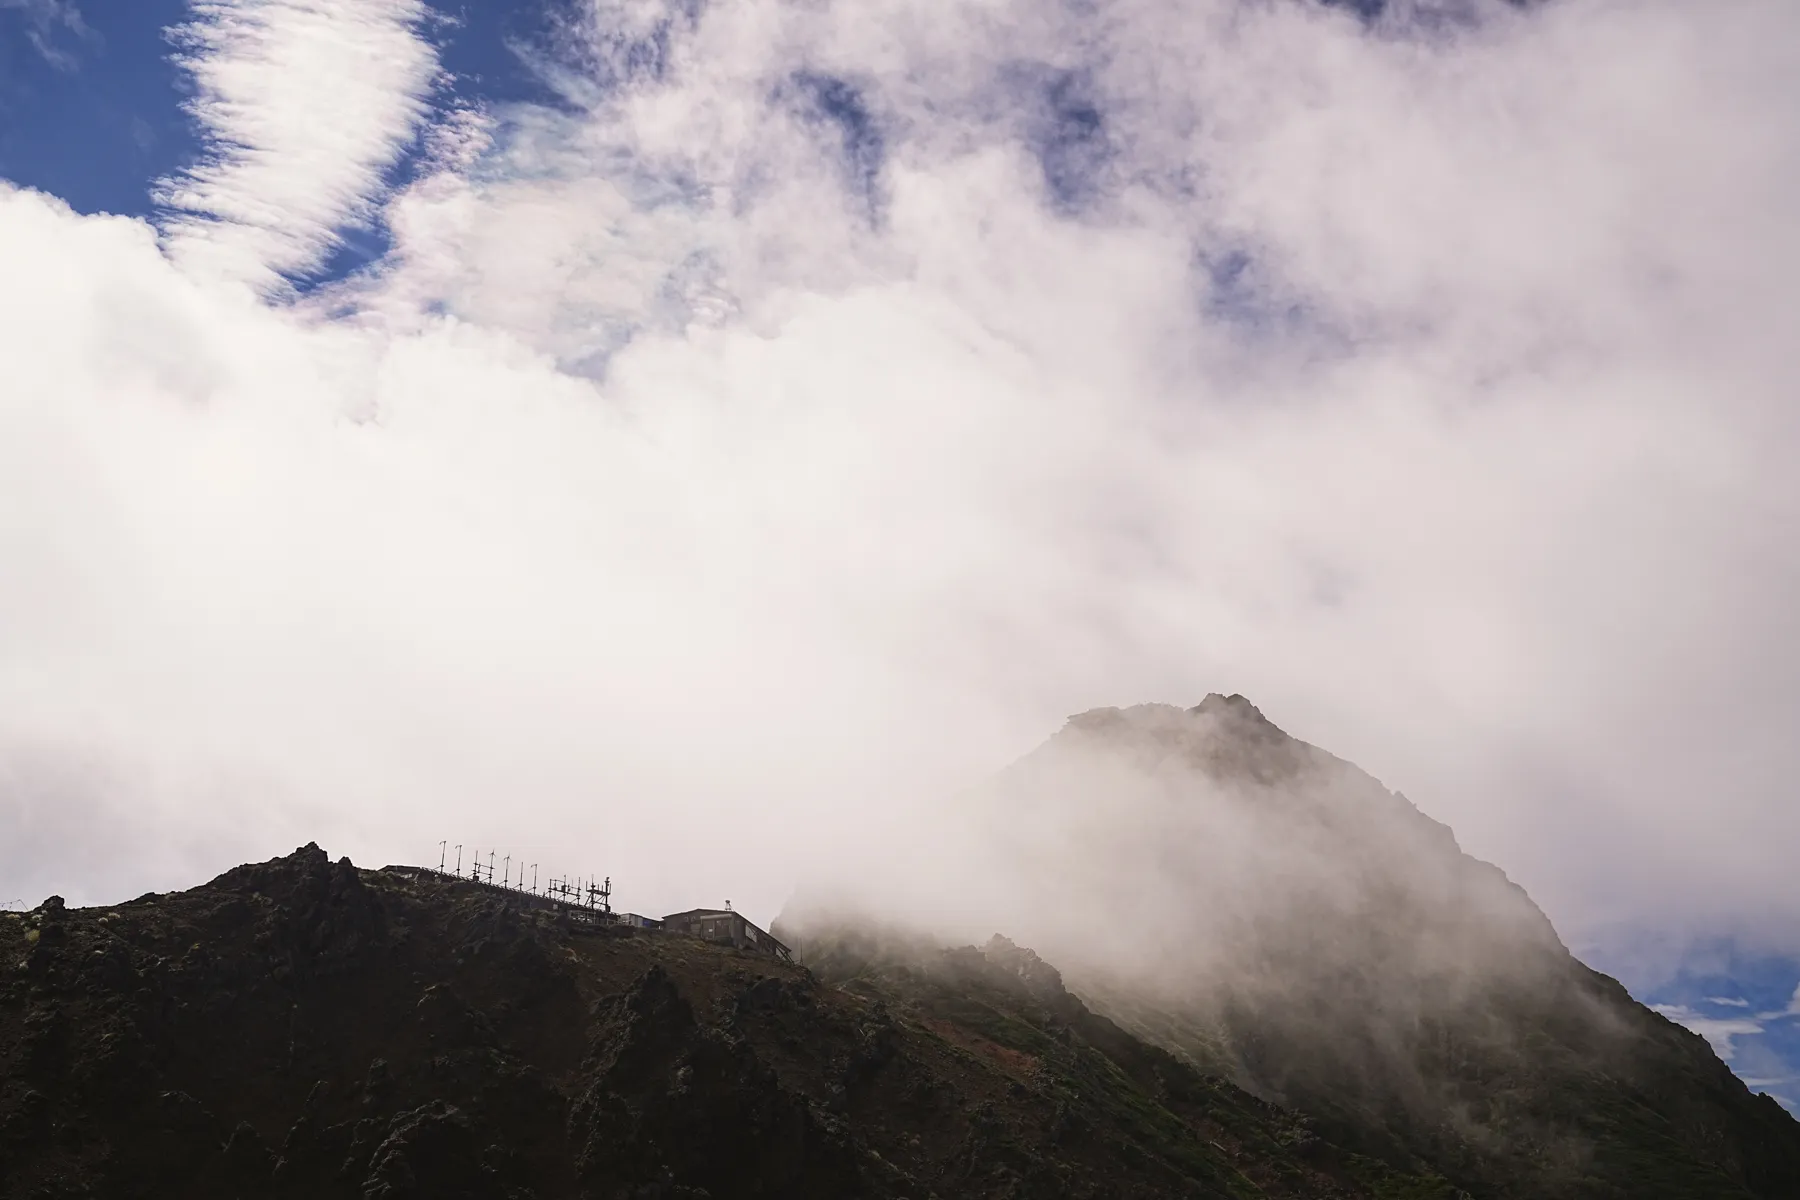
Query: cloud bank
817, 405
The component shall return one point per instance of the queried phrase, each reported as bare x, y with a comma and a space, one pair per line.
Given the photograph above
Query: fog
733, 464
1173, 850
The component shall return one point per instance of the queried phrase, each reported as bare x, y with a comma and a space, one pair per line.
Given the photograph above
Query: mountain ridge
1321, 941
303, 1028
1280, 979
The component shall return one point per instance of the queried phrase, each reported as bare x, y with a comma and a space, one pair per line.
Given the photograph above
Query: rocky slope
302, 1028
1275, 915
1285, 981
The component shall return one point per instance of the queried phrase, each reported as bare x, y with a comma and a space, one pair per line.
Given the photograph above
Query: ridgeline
1366, 1012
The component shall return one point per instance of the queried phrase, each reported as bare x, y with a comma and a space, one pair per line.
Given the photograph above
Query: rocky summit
1297, 986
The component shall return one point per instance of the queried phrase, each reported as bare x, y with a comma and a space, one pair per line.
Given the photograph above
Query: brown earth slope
302, 1028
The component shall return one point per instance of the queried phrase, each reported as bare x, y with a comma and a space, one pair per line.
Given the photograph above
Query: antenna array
580, 892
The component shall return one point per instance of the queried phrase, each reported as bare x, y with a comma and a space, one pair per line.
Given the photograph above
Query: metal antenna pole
534, 879
459, 858
441, 852
506, 876
490, 874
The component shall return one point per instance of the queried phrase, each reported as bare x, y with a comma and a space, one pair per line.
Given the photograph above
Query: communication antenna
534, 879
506, 876
490, 867
459, 858
441, 852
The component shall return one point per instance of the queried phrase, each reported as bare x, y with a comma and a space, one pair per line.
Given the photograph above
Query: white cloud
1475, 469
303, 104
1720, 1034
1728, 1001
1792, 1009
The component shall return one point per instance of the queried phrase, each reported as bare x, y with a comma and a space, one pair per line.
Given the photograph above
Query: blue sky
91, 102
1745, 1001
90, 108
1473, 325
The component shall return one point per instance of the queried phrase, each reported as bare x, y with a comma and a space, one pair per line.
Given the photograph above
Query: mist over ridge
1272, 914
1159, 837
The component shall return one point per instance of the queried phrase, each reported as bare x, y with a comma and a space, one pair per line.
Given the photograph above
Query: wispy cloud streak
304, 106
1721, 1033
42, 19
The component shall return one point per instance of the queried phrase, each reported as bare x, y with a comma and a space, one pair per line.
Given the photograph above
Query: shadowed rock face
301, 1028
1276, 915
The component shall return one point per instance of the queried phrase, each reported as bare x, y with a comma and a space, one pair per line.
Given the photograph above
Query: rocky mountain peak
1233, 707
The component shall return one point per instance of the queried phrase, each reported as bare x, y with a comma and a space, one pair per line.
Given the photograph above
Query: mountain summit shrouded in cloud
754, 420
1275, 916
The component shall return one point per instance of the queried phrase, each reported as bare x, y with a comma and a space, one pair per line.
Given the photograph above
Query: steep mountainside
306, 1029
1284, 920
